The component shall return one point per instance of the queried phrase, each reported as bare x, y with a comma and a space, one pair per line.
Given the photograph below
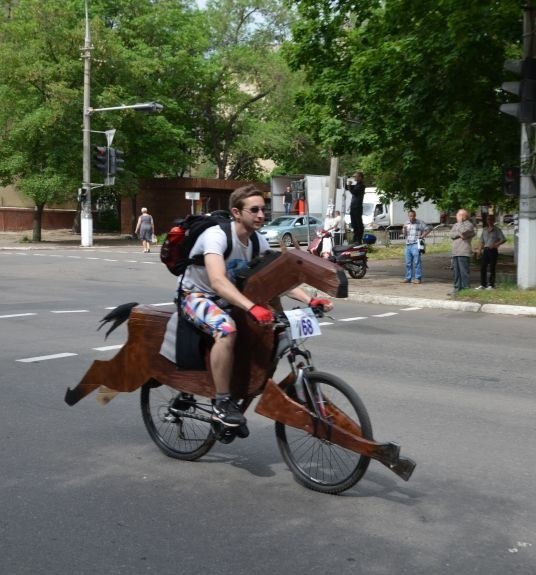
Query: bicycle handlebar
281, 319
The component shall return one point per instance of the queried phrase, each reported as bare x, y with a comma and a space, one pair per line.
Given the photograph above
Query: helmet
369, 239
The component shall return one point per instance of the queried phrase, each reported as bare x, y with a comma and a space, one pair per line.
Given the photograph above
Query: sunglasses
255, 210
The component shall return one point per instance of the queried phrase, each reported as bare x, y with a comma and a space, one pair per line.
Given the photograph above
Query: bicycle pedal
224, 434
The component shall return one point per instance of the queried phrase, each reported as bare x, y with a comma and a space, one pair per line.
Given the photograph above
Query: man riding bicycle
207, 292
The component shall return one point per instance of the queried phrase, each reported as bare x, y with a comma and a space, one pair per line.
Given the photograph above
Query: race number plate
303, 323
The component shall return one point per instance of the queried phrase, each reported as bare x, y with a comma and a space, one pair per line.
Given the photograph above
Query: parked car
286, 229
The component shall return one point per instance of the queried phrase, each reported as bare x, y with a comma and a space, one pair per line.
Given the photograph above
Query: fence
438, 234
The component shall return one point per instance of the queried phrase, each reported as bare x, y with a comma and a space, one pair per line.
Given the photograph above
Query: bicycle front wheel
179, 423
317, 463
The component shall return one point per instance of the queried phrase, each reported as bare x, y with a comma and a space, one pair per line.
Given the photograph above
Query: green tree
411, 87
142, 51
38, 97
243, 97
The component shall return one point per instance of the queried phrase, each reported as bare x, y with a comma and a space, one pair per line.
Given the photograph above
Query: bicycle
322, 427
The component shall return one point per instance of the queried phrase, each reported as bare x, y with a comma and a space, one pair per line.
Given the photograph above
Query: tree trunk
38, 217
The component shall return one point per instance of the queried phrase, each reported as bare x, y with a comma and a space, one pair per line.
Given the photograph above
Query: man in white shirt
413, 231
207, 291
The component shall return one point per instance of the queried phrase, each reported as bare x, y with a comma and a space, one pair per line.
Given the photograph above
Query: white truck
316, 192
378, 214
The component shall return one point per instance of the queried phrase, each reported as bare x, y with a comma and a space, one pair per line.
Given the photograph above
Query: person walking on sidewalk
414, 230
145, 229
461, 235
490, 240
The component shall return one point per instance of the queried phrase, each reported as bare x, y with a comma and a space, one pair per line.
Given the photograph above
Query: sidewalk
382, 283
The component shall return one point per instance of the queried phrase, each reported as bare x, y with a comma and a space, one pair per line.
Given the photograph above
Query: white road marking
108, 347
45, 357
75, 257
70, 311
352, 318
410, 308
325, 323
17, 315
108, 260
92, 258
389, 314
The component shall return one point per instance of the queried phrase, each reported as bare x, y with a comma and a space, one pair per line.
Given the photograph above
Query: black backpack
182, 236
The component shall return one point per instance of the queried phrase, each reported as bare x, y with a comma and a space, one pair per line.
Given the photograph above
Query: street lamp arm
150, 107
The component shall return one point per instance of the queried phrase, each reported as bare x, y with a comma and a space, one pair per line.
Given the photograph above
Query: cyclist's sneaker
226, 412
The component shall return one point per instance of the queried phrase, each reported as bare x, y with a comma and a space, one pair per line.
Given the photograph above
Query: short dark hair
240, 194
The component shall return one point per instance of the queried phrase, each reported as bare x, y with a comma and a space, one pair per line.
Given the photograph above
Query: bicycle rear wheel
317, 463
179, 423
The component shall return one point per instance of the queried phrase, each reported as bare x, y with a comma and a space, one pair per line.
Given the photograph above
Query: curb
517, 310
508, 309
418, 302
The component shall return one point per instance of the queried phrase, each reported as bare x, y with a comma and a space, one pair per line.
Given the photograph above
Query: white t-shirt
214, 241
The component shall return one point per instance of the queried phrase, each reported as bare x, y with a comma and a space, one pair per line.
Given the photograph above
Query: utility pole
86, 218
332, 191
526, 257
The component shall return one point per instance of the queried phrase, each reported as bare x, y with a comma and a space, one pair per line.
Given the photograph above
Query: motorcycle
351, 257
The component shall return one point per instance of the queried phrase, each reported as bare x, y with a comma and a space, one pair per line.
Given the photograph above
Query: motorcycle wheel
356, 271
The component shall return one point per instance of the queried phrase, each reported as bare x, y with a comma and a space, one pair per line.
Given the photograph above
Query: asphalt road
84, 490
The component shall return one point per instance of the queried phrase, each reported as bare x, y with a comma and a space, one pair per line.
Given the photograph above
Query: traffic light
510, 183
101, 159
116, 161
525, 109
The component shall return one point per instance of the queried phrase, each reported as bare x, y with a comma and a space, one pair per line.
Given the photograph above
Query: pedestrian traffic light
116, 161
525, 109
82, 195
510, 183
101, 159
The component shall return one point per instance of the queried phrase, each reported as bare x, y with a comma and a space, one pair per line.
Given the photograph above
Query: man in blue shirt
413, 231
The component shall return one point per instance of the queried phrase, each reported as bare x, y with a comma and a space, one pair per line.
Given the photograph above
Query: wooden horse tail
118, 315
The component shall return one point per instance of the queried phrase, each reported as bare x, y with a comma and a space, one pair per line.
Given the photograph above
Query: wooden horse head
277, 273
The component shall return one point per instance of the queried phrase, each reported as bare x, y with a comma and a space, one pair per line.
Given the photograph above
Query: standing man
288, 200
356, 207
207, 292
461, 234
413, 231
490, 240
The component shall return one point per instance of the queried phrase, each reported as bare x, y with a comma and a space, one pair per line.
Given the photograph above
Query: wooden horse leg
107, 372
276, 404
